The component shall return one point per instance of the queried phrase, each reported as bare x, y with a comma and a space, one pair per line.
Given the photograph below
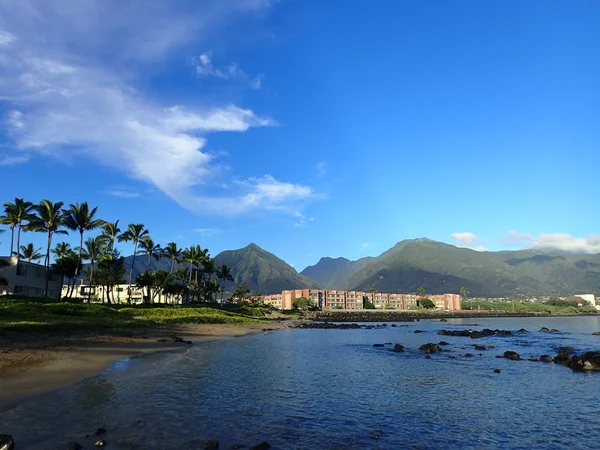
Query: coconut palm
151, 249
30, 253
61, 250
80, 218
172, 252
223, 274
48, 219
191, 255
464, 292
16, 213
134, 232
94, 248
110, 230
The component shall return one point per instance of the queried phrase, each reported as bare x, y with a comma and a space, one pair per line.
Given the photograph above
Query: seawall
405, 316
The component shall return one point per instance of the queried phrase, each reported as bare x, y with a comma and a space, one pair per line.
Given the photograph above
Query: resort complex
336, 299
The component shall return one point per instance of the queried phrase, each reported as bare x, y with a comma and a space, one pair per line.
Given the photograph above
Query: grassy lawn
528, 307
24, 314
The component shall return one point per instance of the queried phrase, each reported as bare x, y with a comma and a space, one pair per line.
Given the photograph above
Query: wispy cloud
208, 231
63, 75
13, 160
554, 242
468, 240
122, 193
205, 67
321, 169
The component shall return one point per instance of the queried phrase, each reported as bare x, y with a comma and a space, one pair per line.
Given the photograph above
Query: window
21, 270
119, 289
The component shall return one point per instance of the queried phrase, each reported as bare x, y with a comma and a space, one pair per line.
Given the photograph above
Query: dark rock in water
511, 355
545, 330
498, 356
596, 333
522, 330
554, 330
162, 340
479, 348
563, 356
211, 444
443, 343
491, 346
6, 442
565, 351
587, 361
189, 342
394, 325
74, 446
427, 357
378, 345
430, 348
443, 320
100, 443
451, 356
398, 348
546, 358
388, 343
420, 331
262, 446
497, 371
100, 432
469, 355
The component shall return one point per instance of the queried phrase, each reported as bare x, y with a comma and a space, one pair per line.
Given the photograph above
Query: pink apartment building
352, 300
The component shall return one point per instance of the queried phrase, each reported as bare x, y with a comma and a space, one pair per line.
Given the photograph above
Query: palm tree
110, 230
80, 218
151, 249
464, 292
134, 232
61, 251
16, 213
172, 252
191, 255
49, 218
30, 253
94, 249
223, 274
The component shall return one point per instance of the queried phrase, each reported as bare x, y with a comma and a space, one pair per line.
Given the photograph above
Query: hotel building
28, 279
353, 300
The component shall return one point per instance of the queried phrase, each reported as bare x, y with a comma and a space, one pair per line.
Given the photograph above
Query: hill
439, 268
335, 273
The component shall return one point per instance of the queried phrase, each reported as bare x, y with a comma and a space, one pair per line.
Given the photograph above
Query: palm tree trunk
222, 291
19, 243
12, 238
131, 271
79, 254
91, 279
172, 265
149, 261
48, 262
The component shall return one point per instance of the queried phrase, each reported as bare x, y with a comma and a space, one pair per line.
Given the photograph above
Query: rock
491, 346
100, 443
497, 371
443, 320
596, 333
511, 355
563, 355
522, 330
479, 348
74, 446
6, 442
469, 355
419, 331
554, 330
398, 348
189, 342
451, 356
587, 361
546, 358
498, 356
388, 343
262, 446
565, 351
99, 432
545, 330
430, 348
394, 325
162, 340
533, 360
378, 345
477, 334
427, 357
211, 444
443, 343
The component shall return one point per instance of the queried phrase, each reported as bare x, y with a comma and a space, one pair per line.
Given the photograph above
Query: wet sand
32, 365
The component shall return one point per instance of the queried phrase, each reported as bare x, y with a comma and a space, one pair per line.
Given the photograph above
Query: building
28, 279
589, 298
353, 300
118, 294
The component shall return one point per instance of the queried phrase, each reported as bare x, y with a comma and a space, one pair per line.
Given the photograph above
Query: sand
31, 365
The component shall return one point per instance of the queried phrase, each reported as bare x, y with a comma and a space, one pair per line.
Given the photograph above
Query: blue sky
311, 128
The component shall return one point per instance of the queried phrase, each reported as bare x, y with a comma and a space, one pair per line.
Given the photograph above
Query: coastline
32, 365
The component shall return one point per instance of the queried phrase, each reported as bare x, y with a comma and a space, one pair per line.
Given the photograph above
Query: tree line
200, 279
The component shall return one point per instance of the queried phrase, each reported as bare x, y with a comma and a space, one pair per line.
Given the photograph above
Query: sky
310, 128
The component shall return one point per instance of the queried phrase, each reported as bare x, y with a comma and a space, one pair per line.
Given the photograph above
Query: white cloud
62, 65
205, 67
208, 231
122, 193
466, 240
321, 169
566, 242
12, 160
481, 248
363, 247
515, 238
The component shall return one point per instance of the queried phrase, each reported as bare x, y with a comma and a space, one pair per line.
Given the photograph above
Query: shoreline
34, 365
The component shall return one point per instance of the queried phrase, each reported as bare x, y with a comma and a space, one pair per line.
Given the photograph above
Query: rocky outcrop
546, 358
430, 348
398, 348
475, 334
587, 361
378, 345
479, 348
511, 355
6, 442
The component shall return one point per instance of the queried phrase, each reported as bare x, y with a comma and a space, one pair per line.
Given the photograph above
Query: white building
589, 298
27, 279
118, 294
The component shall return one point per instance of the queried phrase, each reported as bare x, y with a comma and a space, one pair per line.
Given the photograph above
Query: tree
240, 292
49, 218
421, 292
427, 303
80, 218
172, 252
223, 274
66, 265
134, 232
30, 253
212, 287
110, 272
110, 231
191, 255
93, 250
464, 293
151, 249
302, 303
16, 213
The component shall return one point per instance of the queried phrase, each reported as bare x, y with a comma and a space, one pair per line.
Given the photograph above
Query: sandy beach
32, 365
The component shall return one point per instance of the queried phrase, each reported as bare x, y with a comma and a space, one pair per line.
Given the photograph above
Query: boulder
523, 331
596, 333
394, 325
427, 357
563, 356
378, 345
554, 330
419, 331
430, 348
545, 330
443, 343
497, 371
546, 358
443, 320
587, 361
262, 446
469, 355
211, 444
398, 348
6, 442
479, 348
511, 355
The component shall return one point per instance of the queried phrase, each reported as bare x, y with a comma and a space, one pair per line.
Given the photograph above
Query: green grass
527, 307
42, 316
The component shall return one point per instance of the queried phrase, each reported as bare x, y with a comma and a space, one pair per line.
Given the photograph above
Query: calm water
330, 389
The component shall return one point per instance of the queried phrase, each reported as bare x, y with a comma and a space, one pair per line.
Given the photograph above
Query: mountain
335, 273
439, 268
262, 271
